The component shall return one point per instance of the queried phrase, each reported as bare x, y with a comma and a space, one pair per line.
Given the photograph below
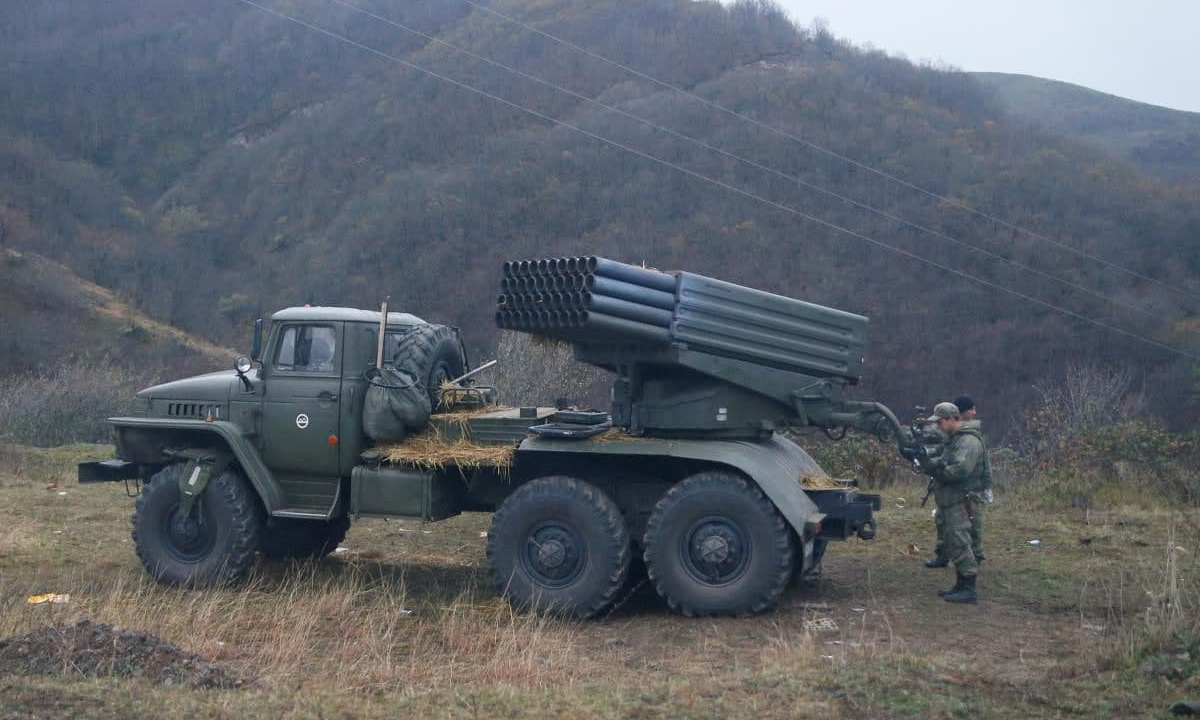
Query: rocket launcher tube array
597, 300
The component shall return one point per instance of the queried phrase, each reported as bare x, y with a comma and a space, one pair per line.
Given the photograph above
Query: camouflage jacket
964, 464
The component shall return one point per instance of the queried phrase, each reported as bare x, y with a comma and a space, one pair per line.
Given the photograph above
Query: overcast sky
1148, 50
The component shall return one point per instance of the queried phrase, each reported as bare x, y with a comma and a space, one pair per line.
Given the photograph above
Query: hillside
213, 162
1162, 142
54, 316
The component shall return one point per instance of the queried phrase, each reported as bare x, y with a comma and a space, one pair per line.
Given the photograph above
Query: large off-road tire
285, 538
559, 545
216, 543
715, 545
433, 353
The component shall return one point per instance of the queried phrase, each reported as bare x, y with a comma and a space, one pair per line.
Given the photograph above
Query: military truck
690, 479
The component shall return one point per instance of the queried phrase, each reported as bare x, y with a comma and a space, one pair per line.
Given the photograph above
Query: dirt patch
88, 649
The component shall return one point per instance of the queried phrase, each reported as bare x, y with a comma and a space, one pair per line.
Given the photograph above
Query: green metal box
402, 492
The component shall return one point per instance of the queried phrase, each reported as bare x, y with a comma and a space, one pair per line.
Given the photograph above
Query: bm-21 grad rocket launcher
697, 357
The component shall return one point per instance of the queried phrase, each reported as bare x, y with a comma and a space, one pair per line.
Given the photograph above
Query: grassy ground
404, 624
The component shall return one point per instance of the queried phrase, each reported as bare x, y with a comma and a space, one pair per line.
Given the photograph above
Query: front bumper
847, 513
113, 471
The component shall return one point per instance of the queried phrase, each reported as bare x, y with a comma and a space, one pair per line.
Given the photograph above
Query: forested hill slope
212, 162
52, 316
1162, 142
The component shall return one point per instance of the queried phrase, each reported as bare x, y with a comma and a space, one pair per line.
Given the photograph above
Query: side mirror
243, 365
256, 341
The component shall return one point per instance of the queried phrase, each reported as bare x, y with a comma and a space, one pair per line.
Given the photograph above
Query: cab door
301, 410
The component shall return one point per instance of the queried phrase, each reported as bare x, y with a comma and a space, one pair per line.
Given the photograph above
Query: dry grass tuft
822, 482
349, 629
614, 435
406, 625
453, 396
432, 450
462, 417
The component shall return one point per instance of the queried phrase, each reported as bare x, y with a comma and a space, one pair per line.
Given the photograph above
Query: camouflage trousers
976, 532
957, 523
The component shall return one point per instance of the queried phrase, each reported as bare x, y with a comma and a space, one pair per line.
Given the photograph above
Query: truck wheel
285, 538
432, 353
214, 544
559, 545
715, 545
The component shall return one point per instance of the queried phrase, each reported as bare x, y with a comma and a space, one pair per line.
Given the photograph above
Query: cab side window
307, 348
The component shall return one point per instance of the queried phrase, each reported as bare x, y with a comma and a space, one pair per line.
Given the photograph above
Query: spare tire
432, 353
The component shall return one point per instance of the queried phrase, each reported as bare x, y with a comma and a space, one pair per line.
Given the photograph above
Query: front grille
194, 410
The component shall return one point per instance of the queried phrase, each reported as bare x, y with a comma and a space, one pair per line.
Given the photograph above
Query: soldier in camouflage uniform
967, 413
935, 442
961, 473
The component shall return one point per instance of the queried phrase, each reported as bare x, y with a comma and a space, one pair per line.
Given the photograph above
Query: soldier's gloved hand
933, 466
909, 453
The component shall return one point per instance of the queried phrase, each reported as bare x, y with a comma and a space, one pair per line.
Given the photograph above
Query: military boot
966, 593
939, 561
958, 584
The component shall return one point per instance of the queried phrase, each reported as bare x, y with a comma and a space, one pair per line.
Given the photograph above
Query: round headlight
243, 364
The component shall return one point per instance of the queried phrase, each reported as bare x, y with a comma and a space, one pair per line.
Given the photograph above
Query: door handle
327, 397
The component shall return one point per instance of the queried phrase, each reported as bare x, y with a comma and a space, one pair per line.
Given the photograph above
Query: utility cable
778, 173
700, 176
832, 153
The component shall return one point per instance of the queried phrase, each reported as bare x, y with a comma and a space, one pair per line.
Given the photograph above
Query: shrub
873, 463
68, 403
1089, 439
537, 371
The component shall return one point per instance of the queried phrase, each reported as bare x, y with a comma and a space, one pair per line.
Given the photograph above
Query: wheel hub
188, 539
715, 551
184, 530
554, 555
551, 554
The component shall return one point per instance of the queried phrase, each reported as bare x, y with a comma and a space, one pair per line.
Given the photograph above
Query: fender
228, 433
775, 465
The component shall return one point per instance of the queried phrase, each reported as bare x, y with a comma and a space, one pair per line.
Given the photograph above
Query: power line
832, 153
700, 176
778, 173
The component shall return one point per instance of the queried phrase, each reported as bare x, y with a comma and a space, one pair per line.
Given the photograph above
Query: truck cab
305, 400
293, 420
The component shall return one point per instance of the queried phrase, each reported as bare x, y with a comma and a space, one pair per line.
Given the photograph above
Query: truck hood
212, 386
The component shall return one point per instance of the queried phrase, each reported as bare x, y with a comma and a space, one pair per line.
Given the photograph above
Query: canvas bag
396, 404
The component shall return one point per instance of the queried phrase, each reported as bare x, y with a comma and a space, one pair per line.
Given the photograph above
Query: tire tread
596, 501
781, 536
245, 523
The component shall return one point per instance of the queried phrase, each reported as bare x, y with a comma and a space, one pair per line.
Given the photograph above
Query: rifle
928, 490
918, 451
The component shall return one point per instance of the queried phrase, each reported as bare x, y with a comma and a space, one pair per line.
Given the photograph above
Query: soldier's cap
943, 411
963, 403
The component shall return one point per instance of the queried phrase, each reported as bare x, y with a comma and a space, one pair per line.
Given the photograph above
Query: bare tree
539, 371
